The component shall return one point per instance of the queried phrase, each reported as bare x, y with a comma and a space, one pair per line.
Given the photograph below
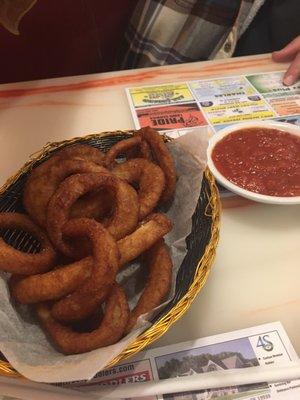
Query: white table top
257, 269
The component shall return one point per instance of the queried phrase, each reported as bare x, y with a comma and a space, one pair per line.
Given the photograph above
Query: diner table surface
255, 276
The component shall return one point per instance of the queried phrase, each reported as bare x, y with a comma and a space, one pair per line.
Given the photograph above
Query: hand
290, 53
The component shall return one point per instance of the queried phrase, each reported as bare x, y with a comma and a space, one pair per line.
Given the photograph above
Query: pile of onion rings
93, 214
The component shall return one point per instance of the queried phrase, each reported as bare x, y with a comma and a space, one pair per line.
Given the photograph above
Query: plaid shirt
176, 31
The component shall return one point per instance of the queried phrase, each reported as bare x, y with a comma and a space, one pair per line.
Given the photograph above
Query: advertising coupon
159, 95
171, 117
228, 100
285, 100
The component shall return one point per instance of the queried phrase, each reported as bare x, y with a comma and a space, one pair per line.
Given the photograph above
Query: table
257, 269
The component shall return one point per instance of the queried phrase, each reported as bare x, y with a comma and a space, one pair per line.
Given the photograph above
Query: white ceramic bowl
295, 130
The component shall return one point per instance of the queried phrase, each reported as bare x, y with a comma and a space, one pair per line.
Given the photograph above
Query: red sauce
265, 161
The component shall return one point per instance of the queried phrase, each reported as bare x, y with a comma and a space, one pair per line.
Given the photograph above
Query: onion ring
39, 190
122, 221
88, 324
52, 285
150, 178
163, 158
125, 146
76, 151
95, 205
18, 262
110, 330
66, 279
153, 228
141, 151
94, 289
158, 284
77, 306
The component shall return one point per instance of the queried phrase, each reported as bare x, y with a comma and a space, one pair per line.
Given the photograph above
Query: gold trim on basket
200, 277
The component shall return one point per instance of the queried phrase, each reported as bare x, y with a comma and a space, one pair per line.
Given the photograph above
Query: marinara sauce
261, 160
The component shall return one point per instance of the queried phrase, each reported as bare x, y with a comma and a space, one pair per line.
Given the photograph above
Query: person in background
170, 32
60, 38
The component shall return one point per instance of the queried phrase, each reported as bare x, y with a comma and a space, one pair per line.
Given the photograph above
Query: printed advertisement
285, 100
125, 373
286, 105
160, 95
262, 345
171, 117
293, 119
216, 102
270, 85
230, 99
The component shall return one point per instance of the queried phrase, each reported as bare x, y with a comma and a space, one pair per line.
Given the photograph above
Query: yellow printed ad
160, 95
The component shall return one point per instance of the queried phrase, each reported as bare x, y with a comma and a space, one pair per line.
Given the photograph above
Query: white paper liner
23, 342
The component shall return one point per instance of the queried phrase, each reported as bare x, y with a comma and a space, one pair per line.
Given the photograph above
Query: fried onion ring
76, 306
88, 324
141, 151
150, 179
66, 279
122, 221
34, 188
52, 285
158, 284
95, 205
128, 146
153, 228
94, 289
76, 151
163, 158
73, 309
110, 330
18, 262
38, 191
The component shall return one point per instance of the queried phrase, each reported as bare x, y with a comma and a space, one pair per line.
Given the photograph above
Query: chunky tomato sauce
265, 161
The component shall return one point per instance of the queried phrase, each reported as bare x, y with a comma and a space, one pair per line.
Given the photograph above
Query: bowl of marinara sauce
258, 160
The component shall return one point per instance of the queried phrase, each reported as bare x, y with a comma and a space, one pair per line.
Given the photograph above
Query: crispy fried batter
93, 289
133, 147
39, 191
163, 158
122, 221
158, 284
111, 328
153, 228
18, 262
44, 178
76, 151
95, 205
53, 285
141, 151
150, 179
66, 279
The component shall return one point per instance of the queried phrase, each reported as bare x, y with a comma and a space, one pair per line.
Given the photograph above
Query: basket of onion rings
85, 254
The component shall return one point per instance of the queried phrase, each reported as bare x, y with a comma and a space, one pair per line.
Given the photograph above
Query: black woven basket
201, 243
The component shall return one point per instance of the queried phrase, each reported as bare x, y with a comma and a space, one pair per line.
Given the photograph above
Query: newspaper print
262, 345
216, 102
285, 100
